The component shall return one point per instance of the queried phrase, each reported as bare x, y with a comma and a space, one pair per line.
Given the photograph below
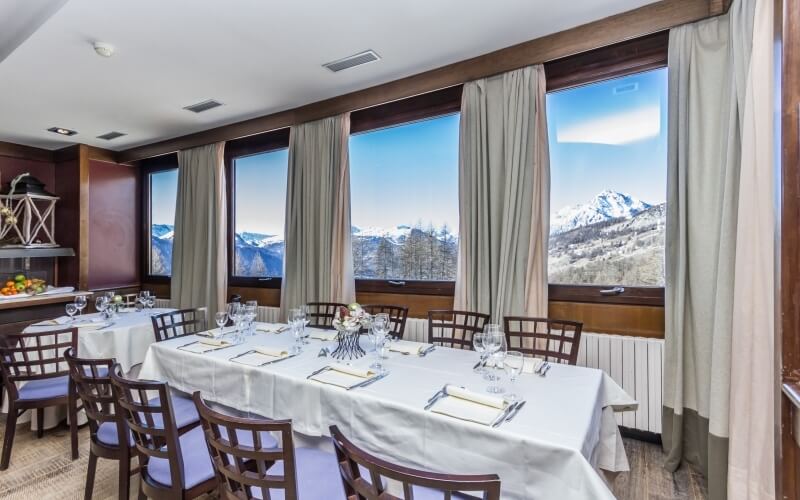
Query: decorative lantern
27, 214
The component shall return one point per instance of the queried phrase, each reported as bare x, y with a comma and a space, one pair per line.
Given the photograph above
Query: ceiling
255, 56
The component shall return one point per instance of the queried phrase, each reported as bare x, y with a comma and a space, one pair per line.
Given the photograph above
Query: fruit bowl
23, 284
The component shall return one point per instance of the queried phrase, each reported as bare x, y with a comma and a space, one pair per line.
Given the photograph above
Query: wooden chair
455, 328
550, 339
107, 428
179, 323
363, 476
249, 463
36, 360
397, 316
321, 314
172, 466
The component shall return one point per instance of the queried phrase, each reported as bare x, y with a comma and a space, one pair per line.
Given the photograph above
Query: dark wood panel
437, 103
618, 319
651, 18
410, 287
67, 232
20, 152
418, 305
11, 167
643, 296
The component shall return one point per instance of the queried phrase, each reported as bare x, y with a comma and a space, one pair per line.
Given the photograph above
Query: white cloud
616, 129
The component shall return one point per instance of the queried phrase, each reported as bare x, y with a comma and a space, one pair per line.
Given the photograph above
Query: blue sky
608, 135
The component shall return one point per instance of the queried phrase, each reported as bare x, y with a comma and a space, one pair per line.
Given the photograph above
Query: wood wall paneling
648, 19
20, 152
67, 232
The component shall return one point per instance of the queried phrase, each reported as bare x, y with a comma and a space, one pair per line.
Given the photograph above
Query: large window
608, 156
259, 212
404, 201
163, 193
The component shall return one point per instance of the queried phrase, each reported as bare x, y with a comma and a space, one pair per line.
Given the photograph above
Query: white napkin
94, 325
408, 347
326, 335
261, 356
61, 320
205, 345
468, 405
275, 352
216, 332
271, 328
530, 365
343, 375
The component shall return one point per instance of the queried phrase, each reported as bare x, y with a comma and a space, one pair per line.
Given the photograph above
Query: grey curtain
200, 251
318, 262
708, 64
504, 186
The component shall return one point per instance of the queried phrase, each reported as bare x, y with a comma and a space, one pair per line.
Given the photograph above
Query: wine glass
513, 365
480, 348
492, 341
80, 303
221, 317
496, 345
295, 323
71, 310
101, 304
380, 327
249, 312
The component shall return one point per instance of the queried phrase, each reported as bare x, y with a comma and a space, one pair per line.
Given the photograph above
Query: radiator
269, 314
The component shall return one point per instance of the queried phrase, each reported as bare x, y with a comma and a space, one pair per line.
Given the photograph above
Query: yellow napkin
327, 335
408, 347
275, 352
469, 405
343, 375
213, 342
268, 328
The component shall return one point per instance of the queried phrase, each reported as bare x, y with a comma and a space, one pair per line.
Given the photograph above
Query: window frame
148, 167
435, 104
622, 59
239, 148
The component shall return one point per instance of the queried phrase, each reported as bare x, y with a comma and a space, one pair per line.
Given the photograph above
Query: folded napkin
275, 352
343, 375
530, 365
469, 405
326, 335
61, 320
215, 333
94, 325
409, 347
205, 345
261, 355
213, 342
271, 328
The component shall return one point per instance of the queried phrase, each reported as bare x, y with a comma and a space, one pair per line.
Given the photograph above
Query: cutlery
479, 364
368, 381
504, 414
547, 369
426, 351
516, 410
444, 387
539, 368
436, 398
317, 372
242, 354
323, 353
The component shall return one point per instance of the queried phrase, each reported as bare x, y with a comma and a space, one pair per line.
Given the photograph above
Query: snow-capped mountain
605, 206
394, 233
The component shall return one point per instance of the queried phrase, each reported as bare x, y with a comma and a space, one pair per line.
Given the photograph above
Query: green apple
117, 298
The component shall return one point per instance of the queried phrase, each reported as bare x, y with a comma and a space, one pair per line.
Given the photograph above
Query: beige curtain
318, 262
504, 186
718, 296
200, 247
751, 455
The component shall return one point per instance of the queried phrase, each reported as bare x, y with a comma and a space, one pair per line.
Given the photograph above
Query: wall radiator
635, 363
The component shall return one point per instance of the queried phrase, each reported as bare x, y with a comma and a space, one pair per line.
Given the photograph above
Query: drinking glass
384, 324
480, 348
151, 302
295, 323
496, 345
80, 303
249, 316
221, 318
513, 365
303, 319
71, 309
101, 304
492, 340
378, 338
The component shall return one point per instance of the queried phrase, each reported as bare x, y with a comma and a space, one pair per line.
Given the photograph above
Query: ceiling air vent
111, 135
352, 61
203, 106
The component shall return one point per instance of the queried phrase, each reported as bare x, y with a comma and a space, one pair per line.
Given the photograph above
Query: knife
504, 414
317, 372
516, 410
368, 381
436, 398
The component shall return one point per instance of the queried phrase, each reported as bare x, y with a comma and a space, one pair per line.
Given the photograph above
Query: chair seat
317, 476
185, 415
107, 434
46, 388
197, 467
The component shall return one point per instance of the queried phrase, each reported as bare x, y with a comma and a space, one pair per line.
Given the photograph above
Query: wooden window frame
248, 146
436, 104
151, 166
626, 58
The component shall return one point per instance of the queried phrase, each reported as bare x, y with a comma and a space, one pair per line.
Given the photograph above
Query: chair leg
90, 471
39, 423
72, 408
124, 475
8, 439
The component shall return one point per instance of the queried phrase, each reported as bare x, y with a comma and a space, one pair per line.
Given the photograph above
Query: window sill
635, 296
410, 287
247, 282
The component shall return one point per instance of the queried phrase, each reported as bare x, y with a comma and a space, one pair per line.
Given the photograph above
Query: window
163, 194
404, 200
258, 213
608, 157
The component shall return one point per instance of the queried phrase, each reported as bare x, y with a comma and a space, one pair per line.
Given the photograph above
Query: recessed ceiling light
61, 131
111, 135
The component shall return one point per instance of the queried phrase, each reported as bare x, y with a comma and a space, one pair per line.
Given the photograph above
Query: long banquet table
552, 449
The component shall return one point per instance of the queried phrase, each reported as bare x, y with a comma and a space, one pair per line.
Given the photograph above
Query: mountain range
605, 206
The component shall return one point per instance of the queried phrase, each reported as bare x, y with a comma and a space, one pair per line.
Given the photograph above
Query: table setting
542, 432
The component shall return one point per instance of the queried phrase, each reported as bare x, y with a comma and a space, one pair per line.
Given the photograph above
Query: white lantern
31, 222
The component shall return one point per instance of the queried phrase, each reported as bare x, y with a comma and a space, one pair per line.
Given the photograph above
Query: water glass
513, 363
498, 362
380, 328
295, 320
478, 346
249, 316
151, 301
221, 318
379, 342
493, 341
71, 310
80, 303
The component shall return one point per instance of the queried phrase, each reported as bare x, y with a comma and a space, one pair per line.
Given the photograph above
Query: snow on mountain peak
606, 205
393, 233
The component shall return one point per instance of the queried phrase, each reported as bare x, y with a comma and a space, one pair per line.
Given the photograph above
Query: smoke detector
104, 49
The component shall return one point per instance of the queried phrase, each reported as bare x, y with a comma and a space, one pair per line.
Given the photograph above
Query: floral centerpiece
348, 321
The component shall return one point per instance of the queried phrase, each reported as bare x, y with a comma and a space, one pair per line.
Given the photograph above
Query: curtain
318, 260
713, 209
200, 246
504, 195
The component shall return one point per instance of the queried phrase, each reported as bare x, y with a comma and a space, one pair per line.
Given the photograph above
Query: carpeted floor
42, 469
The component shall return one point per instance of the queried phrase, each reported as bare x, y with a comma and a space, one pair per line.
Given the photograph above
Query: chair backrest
455, 328
179, 323
35, 356
151, 420
92, 379
397, 316
554, 340
353, 462
242, 468
321, 314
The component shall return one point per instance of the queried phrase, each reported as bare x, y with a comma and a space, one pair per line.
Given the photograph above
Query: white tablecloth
550, 450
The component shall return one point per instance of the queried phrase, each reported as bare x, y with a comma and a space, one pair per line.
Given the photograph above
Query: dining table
555, 447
